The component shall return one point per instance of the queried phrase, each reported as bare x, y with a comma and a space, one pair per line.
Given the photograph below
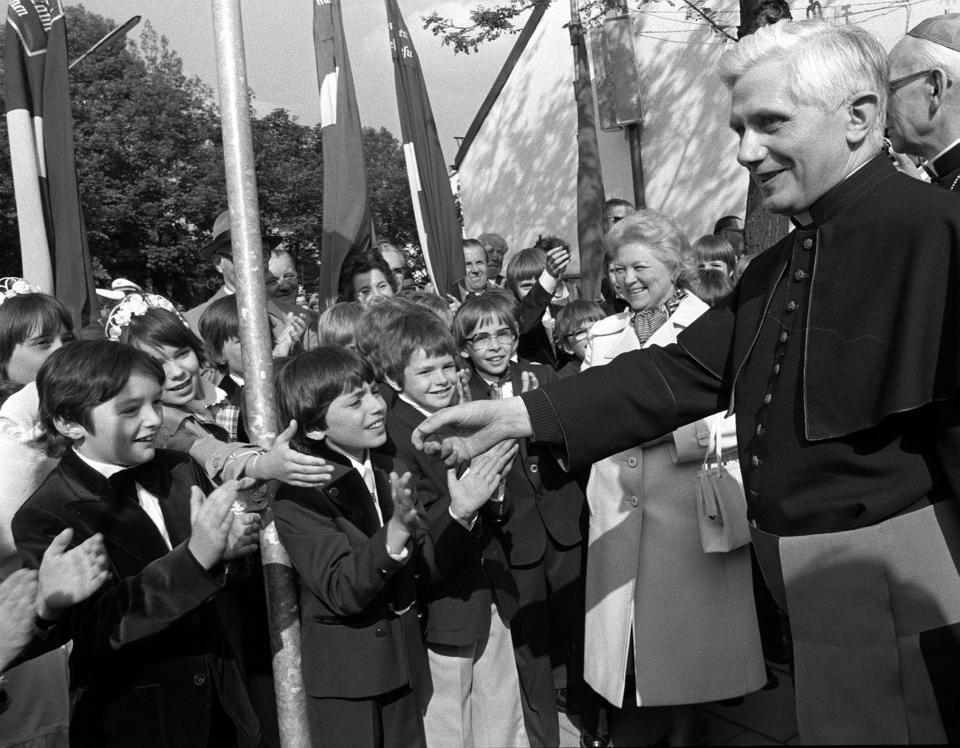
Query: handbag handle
713, 441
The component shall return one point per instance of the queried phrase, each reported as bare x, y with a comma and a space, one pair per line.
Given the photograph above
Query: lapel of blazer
348, 491
120, 519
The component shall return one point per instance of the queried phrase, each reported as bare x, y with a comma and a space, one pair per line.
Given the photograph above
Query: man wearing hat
923, 111
219, 252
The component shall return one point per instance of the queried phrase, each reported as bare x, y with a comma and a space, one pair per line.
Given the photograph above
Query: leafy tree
151, 175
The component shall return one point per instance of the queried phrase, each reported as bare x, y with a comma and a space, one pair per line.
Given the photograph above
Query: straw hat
221, 239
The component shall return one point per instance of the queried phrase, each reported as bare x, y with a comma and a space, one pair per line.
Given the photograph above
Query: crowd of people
492, 496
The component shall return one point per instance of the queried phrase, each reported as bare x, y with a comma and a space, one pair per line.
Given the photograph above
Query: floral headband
12, 286
136, 305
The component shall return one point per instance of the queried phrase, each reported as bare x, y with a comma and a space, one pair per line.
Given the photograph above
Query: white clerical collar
104, 468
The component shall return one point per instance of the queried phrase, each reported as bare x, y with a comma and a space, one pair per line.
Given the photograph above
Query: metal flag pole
257, 361
121, 30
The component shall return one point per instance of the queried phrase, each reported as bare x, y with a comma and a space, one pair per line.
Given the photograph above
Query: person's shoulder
612, 325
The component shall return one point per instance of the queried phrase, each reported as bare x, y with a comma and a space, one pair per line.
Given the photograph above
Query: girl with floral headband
191, 404
32, 326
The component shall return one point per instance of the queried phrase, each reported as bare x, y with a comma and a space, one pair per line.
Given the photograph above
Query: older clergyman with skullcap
839, 352
923, 112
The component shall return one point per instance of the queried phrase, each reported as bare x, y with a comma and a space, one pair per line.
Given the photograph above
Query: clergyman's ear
862, 110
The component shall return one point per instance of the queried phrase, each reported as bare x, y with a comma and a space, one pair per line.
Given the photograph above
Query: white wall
518, 178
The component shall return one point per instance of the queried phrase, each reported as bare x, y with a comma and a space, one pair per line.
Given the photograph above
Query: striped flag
346, 213
53, 241
433, 206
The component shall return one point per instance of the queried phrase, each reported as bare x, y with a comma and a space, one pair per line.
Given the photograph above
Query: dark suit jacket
472, 568
543, 497
157, 643
353, 643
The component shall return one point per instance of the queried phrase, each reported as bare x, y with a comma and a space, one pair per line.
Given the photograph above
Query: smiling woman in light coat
690, 614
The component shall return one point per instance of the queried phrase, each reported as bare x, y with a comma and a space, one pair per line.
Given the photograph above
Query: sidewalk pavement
764, 718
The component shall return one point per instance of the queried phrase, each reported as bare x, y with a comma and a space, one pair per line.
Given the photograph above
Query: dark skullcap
943, 30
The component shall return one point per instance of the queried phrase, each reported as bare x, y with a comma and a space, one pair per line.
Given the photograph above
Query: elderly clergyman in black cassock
839, 352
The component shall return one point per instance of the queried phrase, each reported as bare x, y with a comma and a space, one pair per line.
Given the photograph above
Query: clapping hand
18, 596
479, 482
293, 330
67, 577
407, 519
211, 520
244, 536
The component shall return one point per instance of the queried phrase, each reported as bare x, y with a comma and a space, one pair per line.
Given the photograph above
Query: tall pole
257, 359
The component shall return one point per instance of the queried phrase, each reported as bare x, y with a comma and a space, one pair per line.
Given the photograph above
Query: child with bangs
535, 277
338, 324
359, 546
476, 697
573, 329
190, 403
545, 529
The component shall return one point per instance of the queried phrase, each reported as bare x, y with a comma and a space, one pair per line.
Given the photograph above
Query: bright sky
278, 36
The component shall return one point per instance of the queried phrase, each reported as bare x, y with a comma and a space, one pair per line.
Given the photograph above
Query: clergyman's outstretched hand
462, 432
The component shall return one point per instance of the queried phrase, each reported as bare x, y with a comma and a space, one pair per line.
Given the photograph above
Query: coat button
784, 336
635, 501
760, 430
792, 307
767, 398
632, 461
334, 492
199, 679
381, 633
753, 494
755, 461
800, 275
776, 368
533, 468
808, 243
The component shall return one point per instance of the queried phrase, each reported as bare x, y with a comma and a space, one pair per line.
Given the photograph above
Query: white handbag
721, 504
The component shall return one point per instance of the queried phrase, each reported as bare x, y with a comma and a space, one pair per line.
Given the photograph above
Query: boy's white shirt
148, 502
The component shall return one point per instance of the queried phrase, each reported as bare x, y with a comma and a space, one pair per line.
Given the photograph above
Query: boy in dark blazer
470, 649
154, 650
544, 532
360, 550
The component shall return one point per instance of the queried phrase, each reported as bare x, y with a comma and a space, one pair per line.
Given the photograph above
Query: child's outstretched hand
67, 577
408, 519
283, 463
478, 483
18, 598
528, 381
211, 519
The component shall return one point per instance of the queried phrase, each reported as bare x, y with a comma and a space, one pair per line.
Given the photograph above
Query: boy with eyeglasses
572, 331
543, 534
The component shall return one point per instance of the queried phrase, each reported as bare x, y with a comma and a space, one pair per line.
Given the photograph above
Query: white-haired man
839, 352
923, 113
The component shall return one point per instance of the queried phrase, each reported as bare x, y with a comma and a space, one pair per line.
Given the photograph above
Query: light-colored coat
691, 614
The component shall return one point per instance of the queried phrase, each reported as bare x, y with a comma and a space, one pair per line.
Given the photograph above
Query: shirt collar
104, 468
414, 405
358, 465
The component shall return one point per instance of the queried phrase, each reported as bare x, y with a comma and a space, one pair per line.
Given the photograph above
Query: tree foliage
485, 23
150, 168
